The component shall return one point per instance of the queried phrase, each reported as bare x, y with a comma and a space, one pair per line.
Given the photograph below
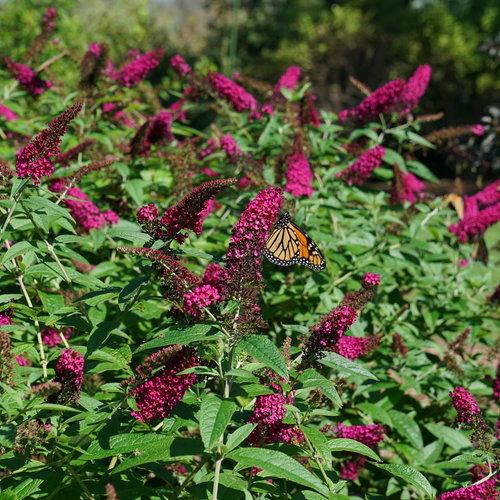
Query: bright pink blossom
5, 319
486, 197
49, 20
156, 130
136, 70
52, 337
299, 175
210, 148
69, 373
200, 297
288, 80
359, 171
27, 77
406, 187
147, 213
160, 393
86, 214
350, 469
34, 159
180, 65
383, 100
229, 145
478, 129
237, 96
355, 347
474, 225
482, 491
465, 405
370, 280
369, 435
269, 409
415, 87
22, 361
7, 114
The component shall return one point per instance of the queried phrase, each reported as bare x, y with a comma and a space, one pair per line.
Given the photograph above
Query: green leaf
407, 427
421, 170
134, 188
376, 413
418, 139
393, 157
263, 350
27, 488
185, 336
311, 379
334, 360
344, 444
319, 442
214, 415
239, 435
54, 407
277, 464
453, 438
136, 237
17, 249
410, 475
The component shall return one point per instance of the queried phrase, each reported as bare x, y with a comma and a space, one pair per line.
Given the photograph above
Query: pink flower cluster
483, 491
478, 130
237, 96
329, 333
309, 114
406, 187
147, 213
34, 160
179, 64
200, 297
5, 319
416, 87
474, 225
216, 277
117, 114
69, 373
136, 70
355, 347
229, 145
288, 80
359, 171
28, 78
7, 114
160, 393
49, 20
269, 411
22, 361
191, 211
52, 337
82, 209
299, 175
383, 100
250, 233
465, 405
92, 64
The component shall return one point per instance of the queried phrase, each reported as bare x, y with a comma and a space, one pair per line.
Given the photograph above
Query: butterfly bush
148, 347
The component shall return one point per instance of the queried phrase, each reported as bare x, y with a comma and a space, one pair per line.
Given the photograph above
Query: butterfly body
288, 245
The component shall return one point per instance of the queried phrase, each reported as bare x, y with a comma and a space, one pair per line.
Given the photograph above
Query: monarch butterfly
288, 245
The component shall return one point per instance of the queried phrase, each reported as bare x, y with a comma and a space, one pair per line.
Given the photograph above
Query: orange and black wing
288, 245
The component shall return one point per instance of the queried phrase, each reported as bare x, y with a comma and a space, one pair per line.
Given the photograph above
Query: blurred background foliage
373, 41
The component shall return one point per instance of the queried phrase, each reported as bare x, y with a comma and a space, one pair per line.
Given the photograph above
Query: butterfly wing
288, 245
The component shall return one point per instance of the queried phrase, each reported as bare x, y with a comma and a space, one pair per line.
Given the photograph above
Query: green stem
11, 212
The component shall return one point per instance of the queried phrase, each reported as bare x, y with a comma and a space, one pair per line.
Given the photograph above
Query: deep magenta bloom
22, 361
69, 373
333, 326
370, 280
350, 469
482, 491
157, 396
250, 233
34, 159
309, 114
299, 175
7, 114
190, 212
355, 347
229, 145
51, 337
269, 409
216, 277
28, 78
147, 213
369, 435
288, 80
86, 214
210, 148
179, 64
383, 100
473, 225
359, 171
406, 187
136, 70
465, 405
200, 297
486, 197
478, 129
233, 93
5, 319
415, 87
49, 20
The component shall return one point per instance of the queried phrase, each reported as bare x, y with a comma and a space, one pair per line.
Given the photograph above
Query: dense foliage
148, 351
